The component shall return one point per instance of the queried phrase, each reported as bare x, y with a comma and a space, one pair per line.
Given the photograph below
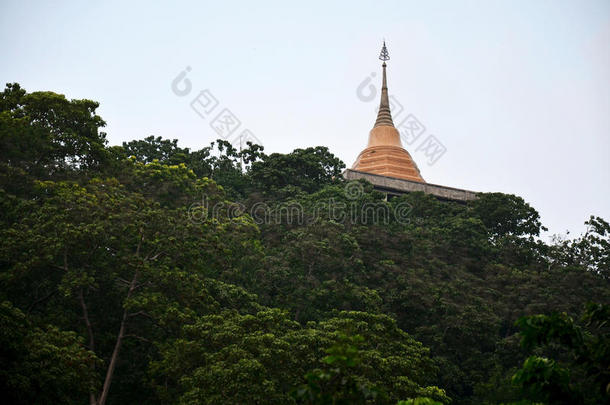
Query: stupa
384, 154
387, 164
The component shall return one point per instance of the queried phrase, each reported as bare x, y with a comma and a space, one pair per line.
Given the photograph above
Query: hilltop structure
387, 164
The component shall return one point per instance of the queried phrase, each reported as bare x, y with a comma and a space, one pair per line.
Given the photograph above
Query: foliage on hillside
150, 273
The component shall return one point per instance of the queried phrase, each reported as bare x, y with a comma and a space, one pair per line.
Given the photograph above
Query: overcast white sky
518, 92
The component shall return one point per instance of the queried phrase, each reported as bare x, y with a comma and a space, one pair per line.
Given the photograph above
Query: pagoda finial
384, 55
384, 117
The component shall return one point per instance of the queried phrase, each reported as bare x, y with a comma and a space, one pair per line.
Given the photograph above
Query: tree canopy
151, 273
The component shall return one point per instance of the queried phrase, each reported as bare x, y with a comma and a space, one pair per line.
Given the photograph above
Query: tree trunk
83, 306
117, 346
81, 298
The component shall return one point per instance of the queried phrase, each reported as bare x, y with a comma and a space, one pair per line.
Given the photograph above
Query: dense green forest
152, 273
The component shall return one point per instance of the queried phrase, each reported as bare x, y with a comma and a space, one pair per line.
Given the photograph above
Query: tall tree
44, 133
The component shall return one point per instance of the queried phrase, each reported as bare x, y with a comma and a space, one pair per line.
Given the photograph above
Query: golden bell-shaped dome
385, 156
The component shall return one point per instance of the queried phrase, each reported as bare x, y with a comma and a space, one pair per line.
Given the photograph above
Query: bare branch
143, 339
140, 313
39, 300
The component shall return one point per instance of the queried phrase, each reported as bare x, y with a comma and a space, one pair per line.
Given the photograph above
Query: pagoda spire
384, 117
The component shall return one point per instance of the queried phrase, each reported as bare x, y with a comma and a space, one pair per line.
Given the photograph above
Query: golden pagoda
384, 154
387, 165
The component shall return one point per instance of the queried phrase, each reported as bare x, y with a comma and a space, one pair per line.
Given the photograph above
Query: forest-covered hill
151, 273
